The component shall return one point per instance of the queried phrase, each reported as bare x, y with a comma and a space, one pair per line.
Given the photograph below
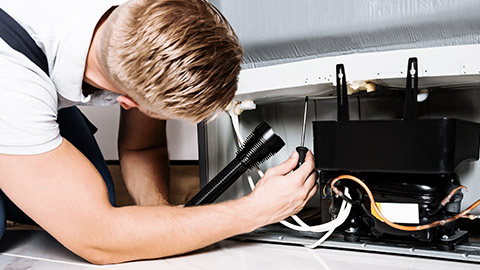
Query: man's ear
126, 102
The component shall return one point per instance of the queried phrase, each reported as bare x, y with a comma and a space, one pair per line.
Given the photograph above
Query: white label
400, 212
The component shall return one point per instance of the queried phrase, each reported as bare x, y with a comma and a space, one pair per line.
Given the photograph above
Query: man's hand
281, 192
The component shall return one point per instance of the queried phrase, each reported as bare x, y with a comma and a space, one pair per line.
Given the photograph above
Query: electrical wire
328, 227
342, 216
397, 226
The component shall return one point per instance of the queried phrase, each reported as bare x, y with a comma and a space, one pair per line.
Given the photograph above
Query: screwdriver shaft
302, 142
302, 150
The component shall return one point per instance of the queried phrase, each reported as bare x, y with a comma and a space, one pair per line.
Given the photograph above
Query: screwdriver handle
302, 152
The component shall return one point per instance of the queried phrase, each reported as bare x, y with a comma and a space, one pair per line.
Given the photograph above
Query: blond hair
180, 57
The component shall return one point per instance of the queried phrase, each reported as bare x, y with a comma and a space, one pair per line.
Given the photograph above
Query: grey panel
281, 31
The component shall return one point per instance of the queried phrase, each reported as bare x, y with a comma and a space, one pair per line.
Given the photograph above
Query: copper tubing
445, 201
471, 217
450, 195
397, 226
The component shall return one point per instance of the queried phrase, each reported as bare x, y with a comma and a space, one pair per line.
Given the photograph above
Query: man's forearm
146, 174
153, 232
69, 187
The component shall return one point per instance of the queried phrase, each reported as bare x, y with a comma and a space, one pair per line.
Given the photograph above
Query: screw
445, 237
280, 237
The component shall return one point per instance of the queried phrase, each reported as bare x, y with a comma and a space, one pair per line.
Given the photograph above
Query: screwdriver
302, 150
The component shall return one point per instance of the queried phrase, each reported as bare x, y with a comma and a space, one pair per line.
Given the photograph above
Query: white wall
182, 136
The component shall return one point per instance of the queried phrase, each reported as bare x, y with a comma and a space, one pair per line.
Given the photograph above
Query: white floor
34, 249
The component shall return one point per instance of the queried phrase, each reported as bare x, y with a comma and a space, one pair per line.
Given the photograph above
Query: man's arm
142, 147
65, 194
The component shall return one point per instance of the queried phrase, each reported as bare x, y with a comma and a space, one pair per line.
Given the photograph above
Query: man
160, 59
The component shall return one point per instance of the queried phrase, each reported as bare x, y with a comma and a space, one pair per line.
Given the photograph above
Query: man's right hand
281, 192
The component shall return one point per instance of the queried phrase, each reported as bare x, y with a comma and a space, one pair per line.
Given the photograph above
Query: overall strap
15, 36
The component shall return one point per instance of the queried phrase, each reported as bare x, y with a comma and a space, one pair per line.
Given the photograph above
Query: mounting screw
351, 230
444, 237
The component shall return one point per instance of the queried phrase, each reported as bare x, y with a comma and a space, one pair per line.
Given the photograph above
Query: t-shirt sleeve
28, 110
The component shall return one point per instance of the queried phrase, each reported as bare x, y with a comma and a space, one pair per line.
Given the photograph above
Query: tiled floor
36, 250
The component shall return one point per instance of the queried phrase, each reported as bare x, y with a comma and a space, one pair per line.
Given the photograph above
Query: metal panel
280, 31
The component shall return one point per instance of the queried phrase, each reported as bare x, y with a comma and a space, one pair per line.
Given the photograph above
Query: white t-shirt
29, 99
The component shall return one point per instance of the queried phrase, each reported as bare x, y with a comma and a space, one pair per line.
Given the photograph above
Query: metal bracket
342, 95
410, 111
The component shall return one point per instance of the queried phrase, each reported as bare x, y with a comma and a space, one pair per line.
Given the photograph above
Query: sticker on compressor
398, 212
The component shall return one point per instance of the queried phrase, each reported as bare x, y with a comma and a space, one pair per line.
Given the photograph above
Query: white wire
240, 141
250, 181
328, 227
321, 240
342, 216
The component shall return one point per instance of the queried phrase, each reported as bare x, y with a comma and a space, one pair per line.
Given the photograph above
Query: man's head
177, 58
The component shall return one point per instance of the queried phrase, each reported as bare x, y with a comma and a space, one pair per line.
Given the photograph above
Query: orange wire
397, 226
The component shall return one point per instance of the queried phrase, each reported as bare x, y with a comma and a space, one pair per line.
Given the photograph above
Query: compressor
400, 173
